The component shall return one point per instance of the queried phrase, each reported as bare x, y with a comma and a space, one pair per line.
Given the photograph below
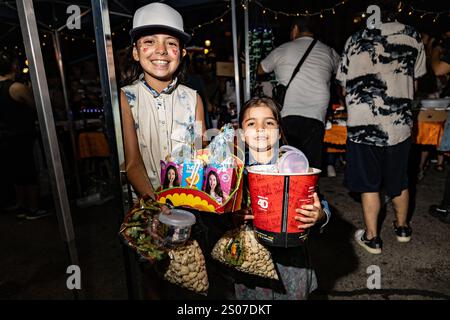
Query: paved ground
34, 259
419, 269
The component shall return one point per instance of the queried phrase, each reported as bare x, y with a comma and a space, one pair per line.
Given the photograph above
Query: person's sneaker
373, 245
421, 175
403, 233
439, 211
21, 215
331, 171
37, 214
20, 212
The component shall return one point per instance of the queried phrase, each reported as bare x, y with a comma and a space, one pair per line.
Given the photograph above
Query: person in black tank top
17, 137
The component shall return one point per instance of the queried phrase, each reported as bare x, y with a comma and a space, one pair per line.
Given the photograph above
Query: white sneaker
331, 172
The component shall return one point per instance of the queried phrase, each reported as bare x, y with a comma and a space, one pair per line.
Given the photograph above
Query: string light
423, 13
296, 14
219, 18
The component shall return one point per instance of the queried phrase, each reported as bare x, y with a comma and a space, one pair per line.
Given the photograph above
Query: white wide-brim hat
158, 17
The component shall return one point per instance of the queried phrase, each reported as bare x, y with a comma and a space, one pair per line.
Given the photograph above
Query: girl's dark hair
217, 189
269, 103
7, 59
136, 69
176, 183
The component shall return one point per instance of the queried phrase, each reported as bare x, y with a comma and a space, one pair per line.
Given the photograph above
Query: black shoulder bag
279, 91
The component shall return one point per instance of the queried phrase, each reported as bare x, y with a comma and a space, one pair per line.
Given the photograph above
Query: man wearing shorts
377, 72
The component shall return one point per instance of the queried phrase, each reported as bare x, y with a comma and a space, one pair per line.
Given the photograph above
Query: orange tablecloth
336, 137
93, 144
428, 133
424, 133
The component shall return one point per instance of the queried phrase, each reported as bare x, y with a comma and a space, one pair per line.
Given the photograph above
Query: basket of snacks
164, 240
207, 180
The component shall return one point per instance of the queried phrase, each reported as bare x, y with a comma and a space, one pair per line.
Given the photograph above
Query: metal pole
247, 54
105, 54
237, 82
59, 62
42, 98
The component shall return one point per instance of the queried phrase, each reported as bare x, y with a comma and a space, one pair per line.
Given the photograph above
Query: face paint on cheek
175, 52
145, 50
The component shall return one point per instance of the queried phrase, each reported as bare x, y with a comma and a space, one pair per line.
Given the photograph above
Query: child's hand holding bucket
310, 213
241, 216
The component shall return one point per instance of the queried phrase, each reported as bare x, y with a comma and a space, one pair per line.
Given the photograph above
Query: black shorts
370, 168
21, 161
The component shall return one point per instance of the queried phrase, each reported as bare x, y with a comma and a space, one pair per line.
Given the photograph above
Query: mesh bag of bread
240, 249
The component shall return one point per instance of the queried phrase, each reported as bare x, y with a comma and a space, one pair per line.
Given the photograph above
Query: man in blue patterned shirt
377, 72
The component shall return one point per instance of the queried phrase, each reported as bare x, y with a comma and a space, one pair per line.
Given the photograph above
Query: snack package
219, 179
187, 268
180, 153
192, 174
171, 174
222, 146
239, 248
136, 230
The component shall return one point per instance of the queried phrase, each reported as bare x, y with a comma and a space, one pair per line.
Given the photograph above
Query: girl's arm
135, 169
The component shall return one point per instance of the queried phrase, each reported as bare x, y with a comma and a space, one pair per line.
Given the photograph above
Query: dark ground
34, 259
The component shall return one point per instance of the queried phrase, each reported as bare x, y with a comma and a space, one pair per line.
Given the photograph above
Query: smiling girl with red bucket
259, 118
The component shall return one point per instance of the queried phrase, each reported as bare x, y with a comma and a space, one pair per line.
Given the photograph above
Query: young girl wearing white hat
158, 113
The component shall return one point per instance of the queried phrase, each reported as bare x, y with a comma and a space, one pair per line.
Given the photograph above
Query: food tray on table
441, 103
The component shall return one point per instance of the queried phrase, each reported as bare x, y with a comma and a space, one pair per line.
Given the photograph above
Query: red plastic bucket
274, 198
